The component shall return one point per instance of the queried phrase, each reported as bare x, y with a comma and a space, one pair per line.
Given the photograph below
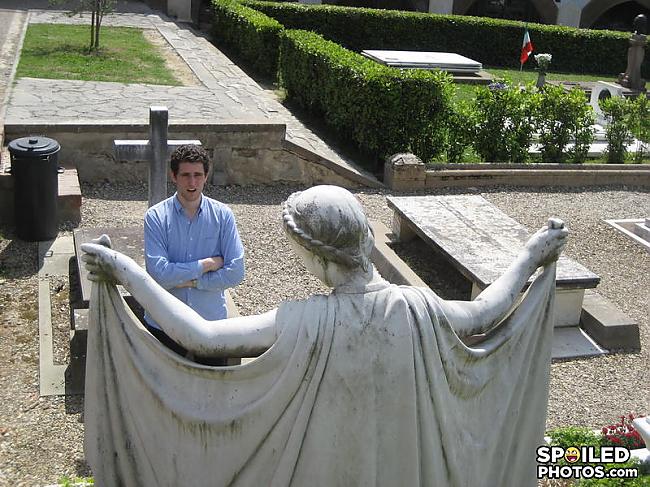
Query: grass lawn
61, 52
466, 92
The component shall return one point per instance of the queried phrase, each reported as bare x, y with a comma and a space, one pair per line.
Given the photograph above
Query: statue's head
330, 223
640, 24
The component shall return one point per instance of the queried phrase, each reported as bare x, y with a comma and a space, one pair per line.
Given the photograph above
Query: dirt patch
173, 61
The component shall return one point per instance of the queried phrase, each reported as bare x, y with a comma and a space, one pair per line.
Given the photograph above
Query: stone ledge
244, 152
416, 176
136, 127
542, 165
69, 199
536, 177
359, 178
609, 326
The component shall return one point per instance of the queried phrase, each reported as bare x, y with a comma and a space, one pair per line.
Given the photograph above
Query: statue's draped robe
367, 388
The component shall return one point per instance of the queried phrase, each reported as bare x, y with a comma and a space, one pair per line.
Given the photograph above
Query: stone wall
405, 172
242, 153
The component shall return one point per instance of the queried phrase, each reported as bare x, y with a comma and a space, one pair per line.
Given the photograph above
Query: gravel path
41, 438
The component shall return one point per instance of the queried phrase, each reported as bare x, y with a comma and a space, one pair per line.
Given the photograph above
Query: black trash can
34, 166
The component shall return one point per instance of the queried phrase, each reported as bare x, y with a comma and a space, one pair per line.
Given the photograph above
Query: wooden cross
156, 150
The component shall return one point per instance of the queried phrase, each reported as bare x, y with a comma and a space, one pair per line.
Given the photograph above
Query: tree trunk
92, 30
100, 13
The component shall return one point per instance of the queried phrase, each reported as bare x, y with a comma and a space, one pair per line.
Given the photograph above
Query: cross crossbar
156, 150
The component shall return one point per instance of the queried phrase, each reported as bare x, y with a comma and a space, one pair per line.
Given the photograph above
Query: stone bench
481, 241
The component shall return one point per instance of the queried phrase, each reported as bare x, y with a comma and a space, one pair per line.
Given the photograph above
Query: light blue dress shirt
174, 244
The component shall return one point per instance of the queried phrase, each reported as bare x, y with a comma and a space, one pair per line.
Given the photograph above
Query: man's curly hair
189, 153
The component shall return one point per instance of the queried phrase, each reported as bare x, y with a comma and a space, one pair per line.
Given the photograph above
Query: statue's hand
547, 244
104, 240
100, 260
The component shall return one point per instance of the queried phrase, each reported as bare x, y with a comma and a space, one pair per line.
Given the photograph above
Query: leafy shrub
384, 110
563, 117
504, 117
248, 33
641, 481
574, 436
574, 50
461, 130
639, 123
617, 132
578, 436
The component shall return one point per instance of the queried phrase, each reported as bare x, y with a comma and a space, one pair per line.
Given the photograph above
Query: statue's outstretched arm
491, 306
243, 336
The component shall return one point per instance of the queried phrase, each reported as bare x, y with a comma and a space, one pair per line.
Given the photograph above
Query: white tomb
598, 146
446, 61
603, 89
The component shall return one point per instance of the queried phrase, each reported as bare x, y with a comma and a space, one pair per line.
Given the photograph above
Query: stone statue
636, 52
370, 384
642, 425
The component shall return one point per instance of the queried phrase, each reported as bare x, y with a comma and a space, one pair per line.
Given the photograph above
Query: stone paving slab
227, 94
12, 28
59, 101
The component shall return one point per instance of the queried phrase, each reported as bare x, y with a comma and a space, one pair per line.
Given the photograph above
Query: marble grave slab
446, 61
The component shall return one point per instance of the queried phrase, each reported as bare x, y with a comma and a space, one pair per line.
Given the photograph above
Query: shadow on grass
75, 49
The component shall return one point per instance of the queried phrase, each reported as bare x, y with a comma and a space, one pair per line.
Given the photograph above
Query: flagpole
521, 65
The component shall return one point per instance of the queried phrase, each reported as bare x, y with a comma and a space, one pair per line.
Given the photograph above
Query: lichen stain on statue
370, 384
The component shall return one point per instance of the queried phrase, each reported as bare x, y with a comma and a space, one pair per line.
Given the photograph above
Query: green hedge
383, 110
493, 42
248, 33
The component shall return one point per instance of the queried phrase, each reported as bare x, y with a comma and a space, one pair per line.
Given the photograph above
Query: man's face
189, 180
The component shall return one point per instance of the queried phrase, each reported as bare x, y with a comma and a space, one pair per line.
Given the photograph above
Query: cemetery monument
156, 151
370, 384
636, 52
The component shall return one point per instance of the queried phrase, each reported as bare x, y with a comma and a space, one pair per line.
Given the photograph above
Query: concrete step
609, 326
69, 200
79, 333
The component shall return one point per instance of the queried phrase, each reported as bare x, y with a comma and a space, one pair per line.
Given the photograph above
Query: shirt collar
179, 207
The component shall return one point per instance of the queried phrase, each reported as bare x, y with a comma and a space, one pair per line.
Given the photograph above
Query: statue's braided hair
347, 241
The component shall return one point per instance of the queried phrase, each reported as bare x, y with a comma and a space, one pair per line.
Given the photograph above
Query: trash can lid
34, 146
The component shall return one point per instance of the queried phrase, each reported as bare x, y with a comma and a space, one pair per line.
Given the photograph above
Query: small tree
564, 117
97, 10
639, 120
618, 133
504, 116
461, 130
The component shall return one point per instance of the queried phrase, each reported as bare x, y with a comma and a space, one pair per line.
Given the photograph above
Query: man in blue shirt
191, 244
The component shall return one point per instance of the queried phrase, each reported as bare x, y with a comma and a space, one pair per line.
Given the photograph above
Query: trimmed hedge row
252, 35
383, 110
493, 42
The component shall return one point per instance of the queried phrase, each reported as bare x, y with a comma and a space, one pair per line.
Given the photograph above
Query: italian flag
526, 48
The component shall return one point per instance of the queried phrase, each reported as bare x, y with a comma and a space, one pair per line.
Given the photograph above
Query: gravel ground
41, 438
